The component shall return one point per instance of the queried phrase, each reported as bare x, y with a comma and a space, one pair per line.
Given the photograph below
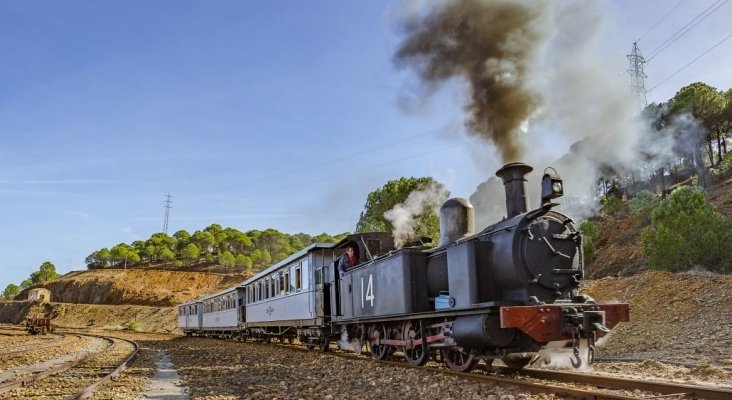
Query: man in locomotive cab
349, 259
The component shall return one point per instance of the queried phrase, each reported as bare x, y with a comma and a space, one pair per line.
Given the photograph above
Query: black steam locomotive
501, 293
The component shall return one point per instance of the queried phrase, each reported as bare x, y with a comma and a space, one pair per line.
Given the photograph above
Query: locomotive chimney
514, 181
456, 220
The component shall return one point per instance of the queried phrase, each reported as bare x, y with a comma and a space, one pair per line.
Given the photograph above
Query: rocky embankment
136, 287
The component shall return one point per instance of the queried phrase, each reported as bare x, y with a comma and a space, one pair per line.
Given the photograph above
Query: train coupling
593, 321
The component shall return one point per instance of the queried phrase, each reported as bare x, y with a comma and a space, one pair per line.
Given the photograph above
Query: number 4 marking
369, 292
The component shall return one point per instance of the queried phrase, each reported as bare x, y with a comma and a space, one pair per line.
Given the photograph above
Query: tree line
228, 247
46, 272
689, 137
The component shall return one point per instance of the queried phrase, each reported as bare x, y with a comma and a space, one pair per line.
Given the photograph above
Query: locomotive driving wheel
458, 360
381, 351
415, 354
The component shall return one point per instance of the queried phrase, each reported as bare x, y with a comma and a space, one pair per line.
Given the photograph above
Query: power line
333, 160
692, 61
659, 21
343, 173
683, 31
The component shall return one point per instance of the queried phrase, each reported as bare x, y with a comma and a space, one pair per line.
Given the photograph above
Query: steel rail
666, 388
29, 380
88, 392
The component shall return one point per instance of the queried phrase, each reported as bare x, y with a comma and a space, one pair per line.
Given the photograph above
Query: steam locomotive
501, 293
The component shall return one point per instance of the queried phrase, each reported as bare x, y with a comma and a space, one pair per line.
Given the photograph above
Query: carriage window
319, 276
282, 284
274, 283
298, 279
305, 274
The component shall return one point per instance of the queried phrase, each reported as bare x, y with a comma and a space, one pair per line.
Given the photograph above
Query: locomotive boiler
500, 293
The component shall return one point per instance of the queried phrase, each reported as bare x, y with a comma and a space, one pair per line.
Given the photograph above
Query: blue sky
251, 114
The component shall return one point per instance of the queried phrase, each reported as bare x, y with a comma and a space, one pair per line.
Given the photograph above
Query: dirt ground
684, 318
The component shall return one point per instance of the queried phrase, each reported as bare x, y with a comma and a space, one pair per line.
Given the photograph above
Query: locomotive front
522, 272
536, 256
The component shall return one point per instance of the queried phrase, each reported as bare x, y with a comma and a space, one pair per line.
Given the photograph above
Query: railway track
33, 347
560, 383
662, 388
71, 377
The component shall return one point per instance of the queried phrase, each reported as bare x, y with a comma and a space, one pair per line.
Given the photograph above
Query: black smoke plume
490, 44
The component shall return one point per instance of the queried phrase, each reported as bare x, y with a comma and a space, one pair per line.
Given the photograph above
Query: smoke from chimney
491, 45
536, 73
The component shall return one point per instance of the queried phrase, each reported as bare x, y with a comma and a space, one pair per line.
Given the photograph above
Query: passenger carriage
287, 297
189, 317
223, 313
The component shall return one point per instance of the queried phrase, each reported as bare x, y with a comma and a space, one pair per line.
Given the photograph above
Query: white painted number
369, 296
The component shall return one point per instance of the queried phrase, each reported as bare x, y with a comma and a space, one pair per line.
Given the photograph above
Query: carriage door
241, 302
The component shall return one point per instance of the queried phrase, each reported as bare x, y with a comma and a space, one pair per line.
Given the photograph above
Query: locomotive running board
546, 323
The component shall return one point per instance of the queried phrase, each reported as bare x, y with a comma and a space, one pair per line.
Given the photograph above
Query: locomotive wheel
379, 352
324, 343
458, 360
517, 360
415, 355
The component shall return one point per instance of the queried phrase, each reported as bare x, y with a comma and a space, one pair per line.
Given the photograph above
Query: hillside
137, 287
619, 251
112, 298
680, 317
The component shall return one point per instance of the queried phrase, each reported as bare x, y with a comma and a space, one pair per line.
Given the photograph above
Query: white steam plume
586, 109
403, 216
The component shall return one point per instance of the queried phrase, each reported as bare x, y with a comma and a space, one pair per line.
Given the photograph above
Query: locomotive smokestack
514, 181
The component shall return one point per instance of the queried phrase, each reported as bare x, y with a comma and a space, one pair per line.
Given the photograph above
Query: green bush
133, 325
725, 167
644, 203
687, 233
589, 233
610, 206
